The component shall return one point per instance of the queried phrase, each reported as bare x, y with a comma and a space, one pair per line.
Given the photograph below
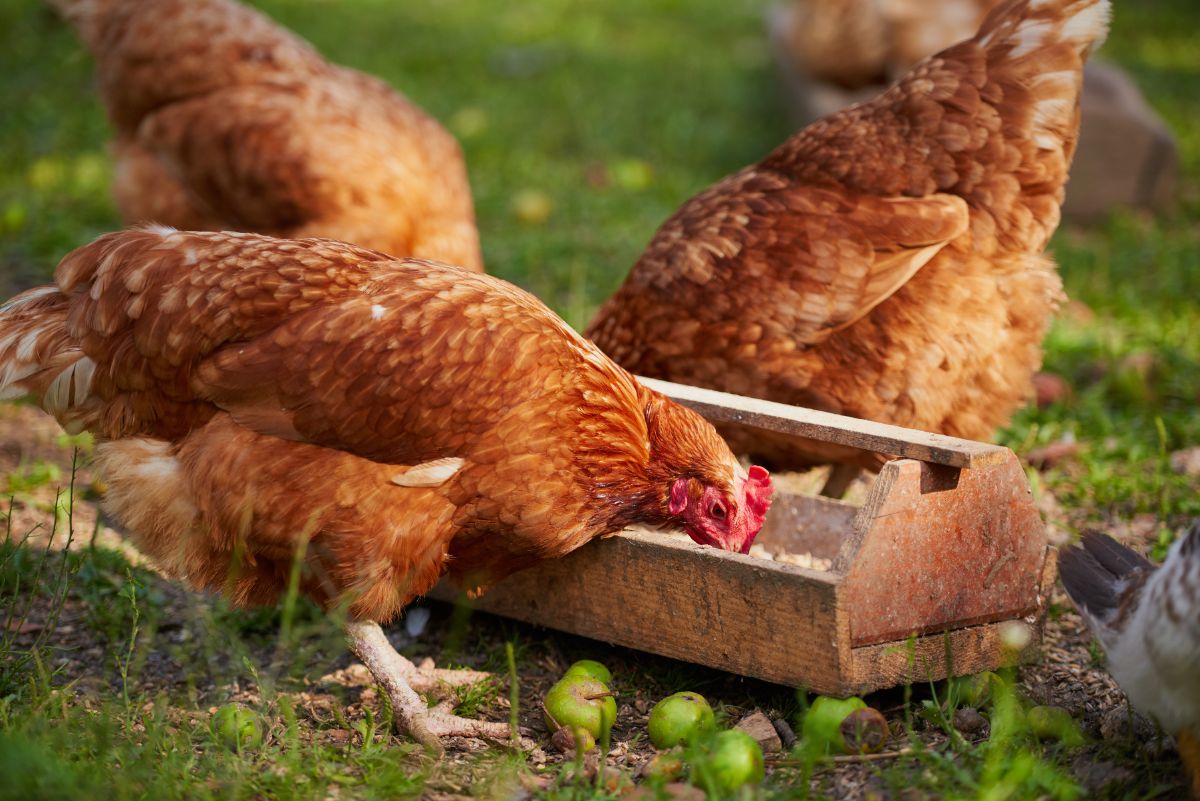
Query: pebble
969, 721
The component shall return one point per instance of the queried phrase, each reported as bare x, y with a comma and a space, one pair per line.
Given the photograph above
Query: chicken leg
400, 678
1189, 753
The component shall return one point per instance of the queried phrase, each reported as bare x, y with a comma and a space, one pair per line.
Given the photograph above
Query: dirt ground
1068, 674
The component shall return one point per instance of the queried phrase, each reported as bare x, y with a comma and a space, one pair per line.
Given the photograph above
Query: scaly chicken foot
394, 674
426, 678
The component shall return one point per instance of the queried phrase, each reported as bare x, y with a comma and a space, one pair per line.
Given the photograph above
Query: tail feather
1026, 25
1097, 574
1041, 44
39, 359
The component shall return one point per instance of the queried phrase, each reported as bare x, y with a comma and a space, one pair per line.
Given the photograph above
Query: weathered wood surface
664, 594
972, 649
849, 431
934, 548
923, 659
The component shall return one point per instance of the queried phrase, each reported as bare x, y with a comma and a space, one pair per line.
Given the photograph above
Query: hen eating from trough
258, 401
1148, 621
224, 120
885, 262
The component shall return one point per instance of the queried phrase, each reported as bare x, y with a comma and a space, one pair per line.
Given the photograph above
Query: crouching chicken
258, 401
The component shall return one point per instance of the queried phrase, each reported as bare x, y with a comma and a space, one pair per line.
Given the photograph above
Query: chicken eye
717, 511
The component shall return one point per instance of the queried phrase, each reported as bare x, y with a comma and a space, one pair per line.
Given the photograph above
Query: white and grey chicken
1148, 621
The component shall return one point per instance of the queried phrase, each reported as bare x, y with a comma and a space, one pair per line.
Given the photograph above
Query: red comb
759, 490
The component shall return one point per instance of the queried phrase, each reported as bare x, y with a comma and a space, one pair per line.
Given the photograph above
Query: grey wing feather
1096, 573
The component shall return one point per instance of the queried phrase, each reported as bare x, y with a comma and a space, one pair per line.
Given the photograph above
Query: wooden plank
935, 548
796, 421
664, 594
923, 659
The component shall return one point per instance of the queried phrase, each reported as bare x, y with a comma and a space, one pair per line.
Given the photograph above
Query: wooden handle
722, 407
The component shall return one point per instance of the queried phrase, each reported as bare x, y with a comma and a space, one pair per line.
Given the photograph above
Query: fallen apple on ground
592, 668
578, 701
237, 728
731, 759
680, 718
844, 726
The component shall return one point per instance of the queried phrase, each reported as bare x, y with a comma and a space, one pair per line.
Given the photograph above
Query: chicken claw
425, 677
397, 676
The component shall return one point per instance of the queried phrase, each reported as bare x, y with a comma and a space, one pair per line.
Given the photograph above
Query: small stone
759, 726
969, 721
1096, 776
1186, 462
337, 736
1050, 388
1048, 456
1122, 722
676, 791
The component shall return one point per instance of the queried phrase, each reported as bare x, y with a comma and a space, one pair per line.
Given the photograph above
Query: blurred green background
613, 113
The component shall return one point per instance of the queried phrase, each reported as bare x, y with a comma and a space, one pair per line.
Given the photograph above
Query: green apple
979, 690
237, 728
580, 702
573, 739
532, 206
590, 667
680, 718
1054, 723
733, 759
863, 731
843, 726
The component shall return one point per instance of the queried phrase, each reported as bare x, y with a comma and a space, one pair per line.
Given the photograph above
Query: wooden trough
946, 552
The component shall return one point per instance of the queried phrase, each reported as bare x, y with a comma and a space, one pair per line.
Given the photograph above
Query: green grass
617, 111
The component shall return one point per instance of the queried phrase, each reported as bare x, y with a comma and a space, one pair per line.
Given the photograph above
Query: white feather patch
429, 474
28, 297
81, 379
160, 229
27, 344
58, 395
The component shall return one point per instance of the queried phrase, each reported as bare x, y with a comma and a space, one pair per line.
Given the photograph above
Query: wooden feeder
947, 551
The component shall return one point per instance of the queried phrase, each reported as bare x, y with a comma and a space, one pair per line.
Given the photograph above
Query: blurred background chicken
1148, 621
885, 262
854, 43
841, 41
260, 400
223, 120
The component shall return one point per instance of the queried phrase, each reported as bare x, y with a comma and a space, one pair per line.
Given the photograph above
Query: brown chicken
885, 262
259, 401
842, 41
855, 43
226, 121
